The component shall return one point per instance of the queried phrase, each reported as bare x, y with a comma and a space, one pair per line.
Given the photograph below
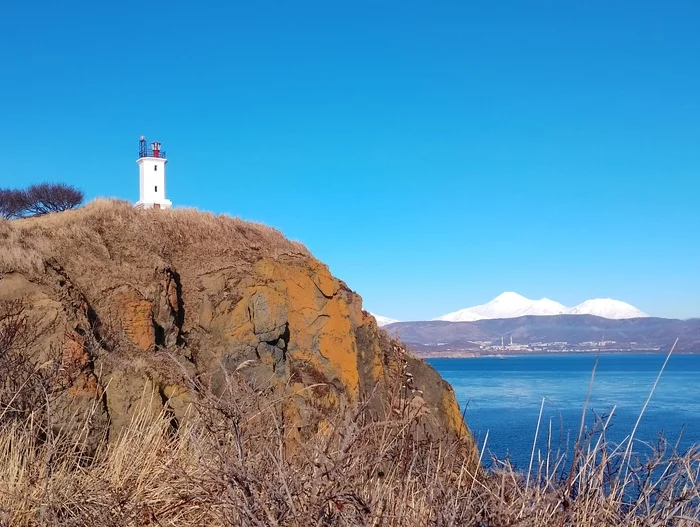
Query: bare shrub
25, 385
13, 203
38, 200
52, 197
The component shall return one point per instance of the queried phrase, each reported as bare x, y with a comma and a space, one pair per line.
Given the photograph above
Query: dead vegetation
231, 461
27, 381
114, 230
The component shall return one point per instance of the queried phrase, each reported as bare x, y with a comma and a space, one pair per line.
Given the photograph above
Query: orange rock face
135, 318
85, 385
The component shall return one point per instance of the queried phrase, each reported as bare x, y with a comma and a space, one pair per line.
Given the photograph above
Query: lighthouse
151, 164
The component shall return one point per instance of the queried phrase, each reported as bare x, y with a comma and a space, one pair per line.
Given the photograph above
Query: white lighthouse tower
151, 164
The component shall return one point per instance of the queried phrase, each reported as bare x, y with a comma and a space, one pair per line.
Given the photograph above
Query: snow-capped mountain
607, 308
506, 305
513, 305
383, 321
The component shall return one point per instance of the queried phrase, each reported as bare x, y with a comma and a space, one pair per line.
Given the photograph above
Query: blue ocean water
503, 397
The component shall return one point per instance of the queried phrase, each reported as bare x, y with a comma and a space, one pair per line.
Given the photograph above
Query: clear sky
434, 154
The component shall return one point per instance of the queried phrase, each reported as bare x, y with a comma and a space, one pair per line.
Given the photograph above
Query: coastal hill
169, 304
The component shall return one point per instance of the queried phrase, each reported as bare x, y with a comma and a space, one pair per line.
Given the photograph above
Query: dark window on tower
156, 188
155, 167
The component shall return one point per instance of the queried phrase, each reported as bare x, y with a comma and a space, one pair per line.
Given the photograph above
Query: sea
502, 397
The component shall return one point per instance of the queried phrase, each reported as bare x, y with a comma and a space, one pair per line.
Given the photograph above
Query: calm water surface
503, 396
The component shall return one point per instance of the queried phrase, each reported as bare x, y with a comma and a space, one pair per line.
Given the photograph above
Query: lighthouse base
164, 204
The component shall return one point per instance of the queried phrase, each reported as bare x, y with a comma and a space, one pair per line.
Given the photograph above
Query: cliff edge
163, 303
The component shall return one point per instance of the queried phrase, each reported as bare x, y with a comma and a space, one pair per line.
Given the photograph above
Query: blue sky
434, 154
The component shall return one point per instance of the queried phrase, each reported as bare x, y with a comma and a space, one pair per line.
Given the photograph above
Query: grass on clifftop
111, 229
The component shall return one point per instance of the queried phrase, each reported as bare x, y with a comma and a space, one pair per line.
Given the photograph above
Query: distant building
516, 347
151, 164
595, 343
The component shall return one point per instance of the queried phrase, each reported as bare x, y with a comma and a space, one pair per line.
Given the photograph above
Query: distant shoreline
547, 334
476, 355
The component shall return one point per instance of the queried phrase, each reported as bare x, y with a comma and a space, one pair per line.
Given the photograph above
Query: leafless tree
13, 203
48, 197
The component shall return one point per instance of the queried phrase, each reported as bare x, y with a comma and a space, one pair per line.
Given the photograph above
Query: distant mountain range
513, 305
383, 321
548, 333
513, 323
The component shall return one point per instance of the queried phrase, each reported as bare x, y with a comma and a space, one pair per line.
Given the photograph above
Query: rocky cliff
148, 305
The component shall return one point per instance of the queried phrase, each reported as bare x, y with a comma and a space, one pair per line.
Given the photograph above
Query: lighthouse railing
145, 151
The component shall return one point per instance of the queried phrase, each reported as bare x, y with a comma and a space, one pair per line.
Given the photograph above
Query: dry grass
111, 229
231, 462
